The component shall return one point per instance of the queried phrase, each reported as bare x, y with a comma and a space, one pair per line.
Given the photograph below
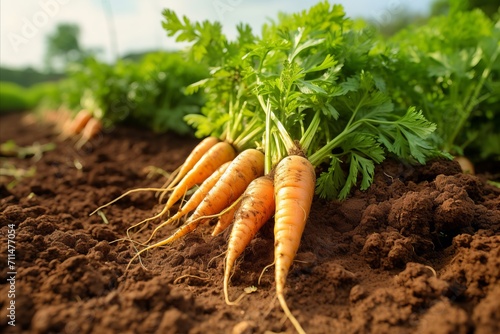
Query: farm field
418, 252
319, 174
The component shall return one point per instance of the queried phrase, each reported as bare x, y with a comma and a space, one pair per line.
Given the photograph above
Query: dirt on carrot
416, 253
255, 209
213, 158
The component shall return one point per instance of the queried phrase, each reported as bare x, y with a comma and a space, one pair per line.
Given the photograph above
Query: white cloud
26, 24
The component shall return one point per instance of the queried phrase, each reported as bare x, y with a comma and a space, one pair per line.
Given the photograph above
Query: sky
25, 25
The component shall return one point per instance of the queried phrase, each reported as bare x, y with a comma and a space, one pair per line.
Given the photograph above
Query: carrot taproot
294, 184
90, 130
215, 157
256, 208
76, 125
195, 199
131, 191
465, 164
189, 163
225, 219
247, 166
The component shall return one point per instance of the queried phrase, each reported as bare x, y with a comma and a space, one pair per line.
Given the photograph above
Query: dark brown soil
419, 252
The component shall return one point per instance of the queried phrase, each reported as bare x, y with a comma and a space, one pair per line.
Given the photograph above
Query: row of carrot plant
148, 92
315, 94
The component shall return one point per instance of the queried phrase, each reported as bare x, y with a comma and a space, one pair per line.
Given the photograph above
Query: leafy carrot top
315, 79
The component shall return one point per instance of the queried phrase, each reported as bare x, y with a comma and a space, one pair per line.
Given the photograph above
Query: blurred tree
404, 17
27, 76
440, 7
489, 7
63, 47
400, 20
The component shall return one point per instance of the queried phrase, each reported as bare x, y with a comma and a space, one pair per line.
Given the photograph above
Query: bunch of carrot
234, 189
82, 127
238, 188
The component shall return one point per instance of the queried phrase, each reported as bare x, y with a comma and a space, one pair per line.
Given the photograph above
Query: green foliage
13, 97
443, 7
450, 68
227, 112
16, 98
150, 92
27, 77
315, 78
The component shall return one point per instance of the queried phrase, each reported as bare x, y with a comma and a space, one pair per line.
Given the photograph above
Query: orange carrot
91, 129
247, 166
75, 126
225, 219
215, 157
190, 161
256, 208
195, 199
294, 183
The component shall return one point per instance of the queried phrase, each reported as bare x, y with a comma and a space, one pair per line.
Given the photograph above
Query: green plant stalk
268, 161
284, 136
307, 138
252, 132
317, 157
473, 101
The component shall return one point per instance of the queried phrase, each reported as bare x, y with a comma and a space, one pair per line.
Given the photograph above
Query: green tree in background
63, 47
489, 7
404, 17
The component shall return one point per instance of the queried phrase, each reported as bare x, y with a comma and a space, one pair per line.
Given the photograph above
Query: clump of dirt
419, 252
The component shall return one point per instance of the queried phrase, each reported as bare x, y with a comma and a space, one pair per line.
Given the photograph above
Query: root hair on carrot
289, 315
143, 224
192, 276
215, 257
264, 270
153, 170
129, 240
122, 196
178, 234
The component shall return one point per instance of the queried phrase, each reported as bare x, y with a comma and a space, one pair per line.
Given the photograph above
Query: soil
419, 252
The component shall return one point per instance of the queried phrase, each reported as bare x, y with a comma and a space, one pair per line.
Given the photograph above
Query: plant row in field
448, 69
148, 93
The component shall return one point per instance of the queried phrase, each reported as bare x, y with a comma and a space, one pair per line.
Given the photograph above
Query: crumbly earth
419, 252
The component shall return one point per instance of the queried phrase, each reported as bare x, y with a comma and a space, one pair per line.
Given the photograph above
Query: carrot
465, 164
215, 157
91, 129
225, 220
256, 208
76, 125
247, 166
190, 161
294, 183
195, 199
